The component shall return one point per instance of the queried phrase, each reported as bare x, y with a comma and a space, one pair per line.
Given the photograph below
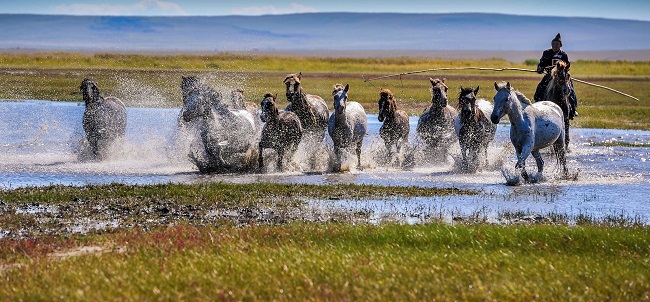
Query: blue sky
632, 9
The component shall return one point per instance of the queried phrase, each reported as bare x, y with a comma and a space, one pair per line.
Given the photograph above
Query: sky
621, 9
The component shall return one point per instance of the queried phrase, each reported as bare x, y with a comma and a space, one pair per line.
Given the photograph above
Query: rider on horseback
546, 63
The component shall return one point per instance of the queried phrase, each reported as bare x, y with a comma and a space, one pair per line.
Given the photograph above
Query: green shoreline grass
153, 81
304, 261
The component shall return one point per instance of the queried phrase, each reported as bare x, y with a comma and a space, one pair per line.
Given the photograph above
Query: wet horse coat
347, 125
227, 138
395, 128
558, 91
436, 124
311, 109
533, 126
473, 127
281, 132
104, 119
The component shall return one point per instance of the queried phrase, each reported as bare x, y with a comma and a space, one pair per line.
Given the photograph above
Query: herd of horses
230, 135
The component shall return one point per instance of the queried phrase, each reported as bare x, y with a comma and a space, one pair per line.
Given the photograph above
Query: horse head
501, 100
560, 76
292, 82
438, 93
269, 108
387, 104
195, 99
237, 98
90, 91
340, 95
467, 102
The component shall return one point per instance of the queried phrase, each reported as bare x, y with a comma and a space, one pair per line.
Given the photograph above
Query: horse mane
337, 87
520, 96
463, 91
561, 65
392, 104
269, 95
435, 83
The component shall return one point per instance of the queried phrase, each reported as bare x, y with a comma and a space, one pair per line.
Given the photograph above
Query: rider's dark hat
558, 38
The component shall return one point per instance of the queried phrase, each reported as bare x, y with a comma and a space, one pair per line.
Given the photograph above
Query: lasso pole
492, 69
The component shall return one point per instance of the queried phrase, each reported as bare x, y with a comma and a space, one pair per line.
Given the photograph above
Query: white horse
347, 125
227, 138
533, 126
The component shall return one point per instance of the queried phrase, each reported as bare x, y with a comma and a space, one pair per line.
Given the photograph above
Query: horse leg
567, 139
560, 154
260, 157
280, 158
359, 154
538, 160
337, 155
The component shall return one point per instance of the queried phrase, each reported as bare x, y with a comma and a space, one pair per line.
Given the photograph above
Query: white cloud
293, 8
140, 8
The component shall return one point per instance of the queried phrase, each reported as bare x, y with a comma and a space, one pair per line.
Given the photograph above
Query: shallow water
38, 140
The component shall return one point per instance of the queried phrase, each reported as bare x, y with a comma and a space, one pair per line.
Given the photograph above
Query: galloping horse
395, 128
347, 125
227, 138
533, 126
558, 91
436, 124
281, 132
473, 128
311, 109
104, 120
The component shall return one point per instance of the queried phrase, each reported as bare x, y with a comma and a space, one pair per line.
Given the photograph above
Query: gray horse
347, 125
436, 124
104, 120
281, 132
227, 138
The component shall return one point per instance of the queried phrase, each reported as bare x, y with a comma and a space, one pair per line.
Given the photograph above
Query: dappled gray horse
395, 127
281, 132
436, 124
104, 120
311, 109
227, 138
347, 125
532, 126
474, 129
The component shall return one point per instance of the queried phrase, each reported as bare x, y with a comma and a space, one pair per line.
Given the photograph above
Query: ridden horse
281, 132
557, 91
436, 124
227, 138
533, 126
473, 127
311, 109
395, 128
104, 119
347, 125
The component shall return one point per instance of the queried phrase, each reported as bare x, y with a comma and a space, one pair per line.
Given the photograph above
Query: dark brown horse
395, 128
311, 109
436, 124
474, 129
558, 91
281, 132
104, 120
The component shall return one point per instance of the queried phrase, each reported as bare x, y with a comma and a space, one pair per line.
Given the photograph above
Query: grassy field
193, 258
153, 81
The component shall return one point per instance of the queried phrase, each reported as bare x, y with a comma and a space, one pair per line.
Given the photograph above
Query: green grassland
147, 81
288, 260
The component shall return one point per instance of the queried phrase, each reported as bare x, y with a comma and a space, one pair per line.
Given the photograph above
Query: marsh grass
305, 261
56, 76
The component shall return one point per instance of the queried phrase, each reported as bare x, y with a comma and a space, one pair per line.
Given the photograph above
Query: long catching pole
492, 69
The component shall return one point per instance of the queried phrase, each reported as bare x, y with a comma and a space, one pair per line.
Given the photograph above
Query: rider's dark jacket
550, 58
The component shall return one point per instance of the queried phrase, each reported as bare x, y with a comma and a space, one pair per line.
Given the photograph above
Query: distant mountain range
320, 31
